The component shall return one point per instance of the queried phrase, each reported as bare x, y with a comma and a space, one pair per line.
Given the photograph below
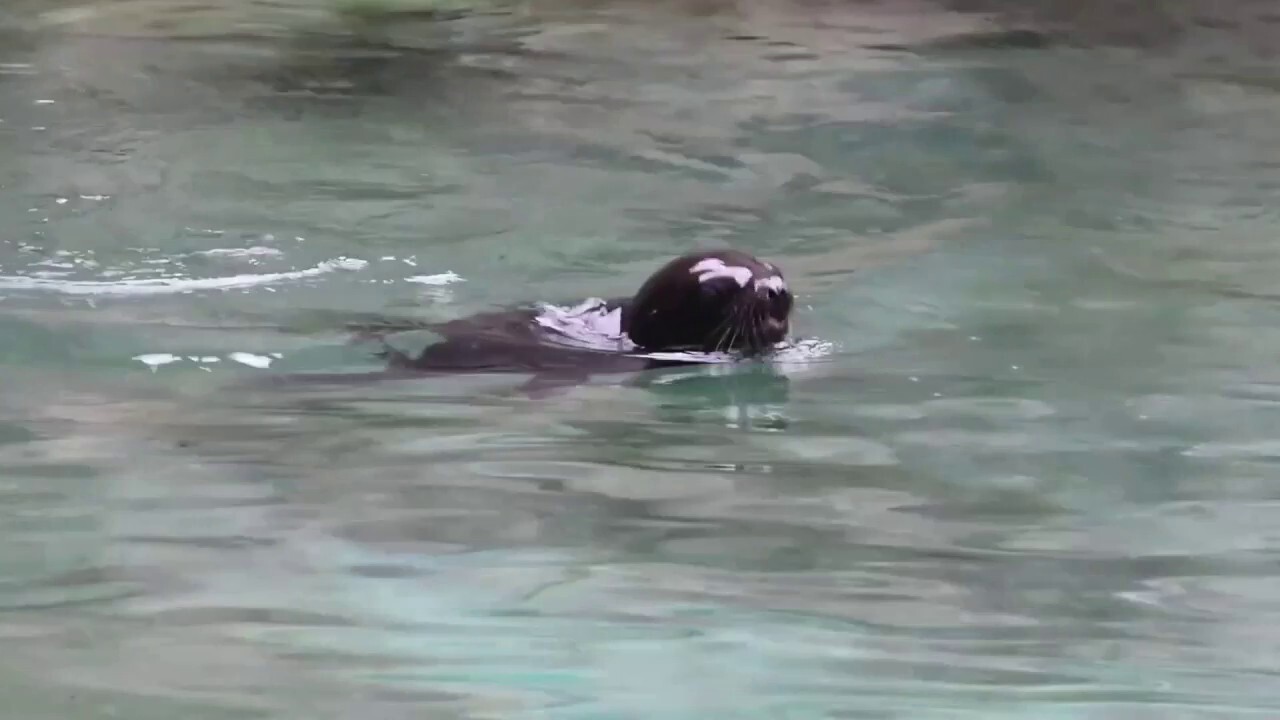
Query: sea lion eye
772, 284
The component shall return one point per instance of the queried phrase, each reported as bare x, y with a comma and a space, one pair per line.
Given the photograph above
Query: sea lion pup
714, 302
706, 307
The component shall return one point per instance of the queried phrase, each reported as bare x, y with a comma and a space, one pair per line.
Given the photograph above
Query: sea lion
696, 308
706, 307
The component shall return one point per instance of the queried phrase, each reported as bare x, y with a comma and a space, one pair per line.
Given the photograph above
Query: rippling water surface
1036, 478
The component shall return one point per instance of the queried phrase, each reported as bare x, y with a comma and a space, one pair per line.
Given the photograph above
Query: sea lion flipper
395, 359
378, 328
545, 385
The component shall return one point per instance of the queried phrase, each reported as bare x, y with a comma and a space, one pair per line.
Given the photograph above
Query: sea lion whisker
727, 337
735, 316
722, 331
754, 325
740, 325
747, 325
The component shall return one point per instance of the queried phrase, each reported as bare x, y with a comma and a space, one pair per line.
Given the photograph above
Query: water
1035, 479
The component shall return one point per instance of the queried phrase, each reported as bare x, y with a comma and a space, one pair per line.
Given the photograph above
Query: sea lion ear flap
639, 315
643, 325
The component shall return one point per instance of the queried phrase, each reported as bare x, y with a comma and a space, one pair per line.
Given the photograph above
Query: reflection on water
1033, 479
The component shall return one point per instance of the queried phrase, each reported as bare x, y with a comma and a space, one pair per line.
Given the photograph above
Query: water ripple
1024, 470
167, 286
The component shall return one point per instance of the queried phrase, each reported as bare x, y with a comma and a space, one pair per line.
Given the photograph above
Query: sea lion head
717, 301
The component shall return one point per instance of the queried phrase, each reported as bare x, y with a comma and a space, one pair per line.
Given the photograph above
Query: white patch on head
714, 268
773, 282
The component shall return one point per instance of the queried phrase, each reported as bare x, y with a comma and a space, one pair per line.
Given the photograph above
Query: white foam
443, 278
162, 286
257, 361
589, 324
788, 355
155, 360
710, 358
797, 355
255, 251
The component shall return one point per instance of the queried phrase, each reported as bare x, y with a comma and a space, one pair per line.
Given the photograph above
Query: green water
1038, 477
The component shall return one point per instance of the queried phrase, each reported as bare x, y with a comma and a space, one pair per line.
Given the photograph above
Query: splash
591, 324
444, 278
249, 252
156, 360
